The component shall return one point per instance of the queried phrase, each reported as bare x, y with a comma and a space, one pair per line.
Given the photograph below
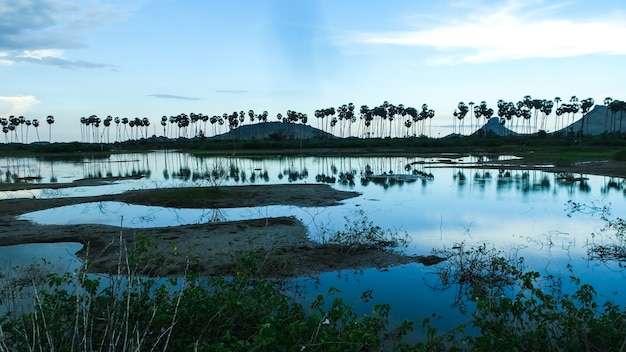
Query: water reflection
437, 201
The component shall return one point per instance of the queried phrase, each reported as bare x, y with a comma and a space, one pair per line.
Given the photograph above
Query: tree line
382, 121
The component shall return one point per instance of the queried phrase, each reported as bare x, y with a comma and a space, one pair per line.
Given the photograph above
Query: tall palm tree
574, 101
484, 111
557, 100
546, 110
471, 109
460, 115
164, 124
36, 125
4, 122
617, 106
585, 106
50, 121
28, 123
365, 114
125, 122
607, 101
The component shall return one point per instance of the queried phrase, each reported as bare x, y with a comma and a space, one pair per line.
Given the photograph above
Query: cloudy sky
149, 58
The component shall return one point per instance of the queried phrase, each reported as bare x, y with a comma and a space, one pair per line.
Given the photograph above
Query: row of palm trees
537, 111
13, 124
382, 121
385, 120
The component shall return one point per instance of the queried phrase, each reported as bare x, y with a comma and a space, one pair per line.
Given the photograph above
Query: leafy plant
477, 271
361, 234
127, 311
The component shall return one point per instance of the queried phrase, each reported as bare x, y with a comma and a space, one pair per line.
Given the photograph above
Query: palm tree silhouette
36, 125
585, 106
460, 115
574, 101
471, 109
50, 121
557, 100
607, 101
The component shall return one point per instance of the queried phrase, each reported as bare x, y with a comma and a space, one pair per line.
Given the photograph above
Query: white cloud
42, 53
510, 32
41, 31
18, 105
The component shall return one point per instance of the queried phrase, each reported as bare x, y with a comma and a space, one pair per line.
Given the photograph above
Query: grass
546, 147
250, 312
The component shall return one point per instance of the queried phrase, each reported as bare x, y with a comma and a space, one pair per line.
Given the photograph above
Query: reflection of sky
524, 212
60, 256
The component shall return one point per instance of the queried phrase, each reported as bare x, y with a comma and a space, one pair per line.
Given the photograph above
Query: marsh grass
130, 311
248, 311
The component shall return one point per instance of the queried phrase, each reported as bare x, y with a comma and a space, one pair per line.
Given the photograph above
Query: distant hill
493, 125
275, 130
596, 122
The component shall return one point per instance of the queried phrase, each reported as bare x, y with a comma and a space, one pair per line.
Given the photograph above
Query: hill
275, 130
596, 122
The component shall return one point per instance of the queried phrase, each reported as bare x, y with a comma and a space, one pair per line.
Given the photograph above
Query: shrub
361, 234
82, 312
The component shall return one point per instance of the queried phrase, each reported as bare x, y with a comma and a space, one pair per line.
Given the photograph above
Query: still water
439, 202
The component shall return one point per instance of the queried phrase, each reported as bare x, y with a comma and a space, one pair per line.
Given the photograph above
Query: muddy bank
282, 242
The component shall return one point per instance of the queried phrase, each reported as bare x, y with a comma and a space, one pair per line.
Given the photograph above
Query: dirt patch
282, 242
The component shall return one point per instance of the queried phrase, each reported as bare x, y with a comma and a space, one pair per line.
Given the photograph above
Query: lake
439, 202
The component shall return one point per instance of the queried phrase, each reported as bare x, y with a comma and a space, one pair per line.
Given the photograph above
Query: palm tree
585, 106
164, 124
125, 122
546, 109
460, 115
471, 109
36, 125
381, 112
607, 101
50, 121
366, 117
617, 106
574, 101
351, 118
27, 123
117, 128
557, 100
484, 111
107, 125
4, 123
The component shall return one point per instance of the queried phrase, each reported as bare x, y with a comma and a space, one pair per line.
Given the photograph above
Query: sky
150, 58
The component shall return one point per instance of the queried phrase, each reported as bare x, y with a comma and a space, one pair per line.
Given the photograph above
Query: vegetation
361, 234
130, 311
386, 120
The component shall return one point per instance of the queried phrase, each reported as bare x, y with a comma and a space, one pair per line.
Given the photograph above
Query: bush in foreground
247, 312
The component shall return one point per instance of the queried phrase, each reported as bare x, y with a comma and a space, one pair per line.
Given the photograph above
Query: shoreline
282, 242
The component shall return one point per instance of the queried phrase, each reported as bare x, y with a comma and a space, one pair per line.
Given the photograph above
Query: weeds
77, 311
477, 271
361, 234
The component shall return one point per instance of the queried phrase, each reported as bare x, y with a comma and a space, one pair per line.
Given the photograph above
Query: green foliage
536, 320
83, 312
78, 311
612, 246
477, 271
361, 234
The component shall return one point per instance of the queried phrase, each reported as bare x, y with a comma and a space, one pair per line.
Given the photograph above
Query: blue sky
149, 58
